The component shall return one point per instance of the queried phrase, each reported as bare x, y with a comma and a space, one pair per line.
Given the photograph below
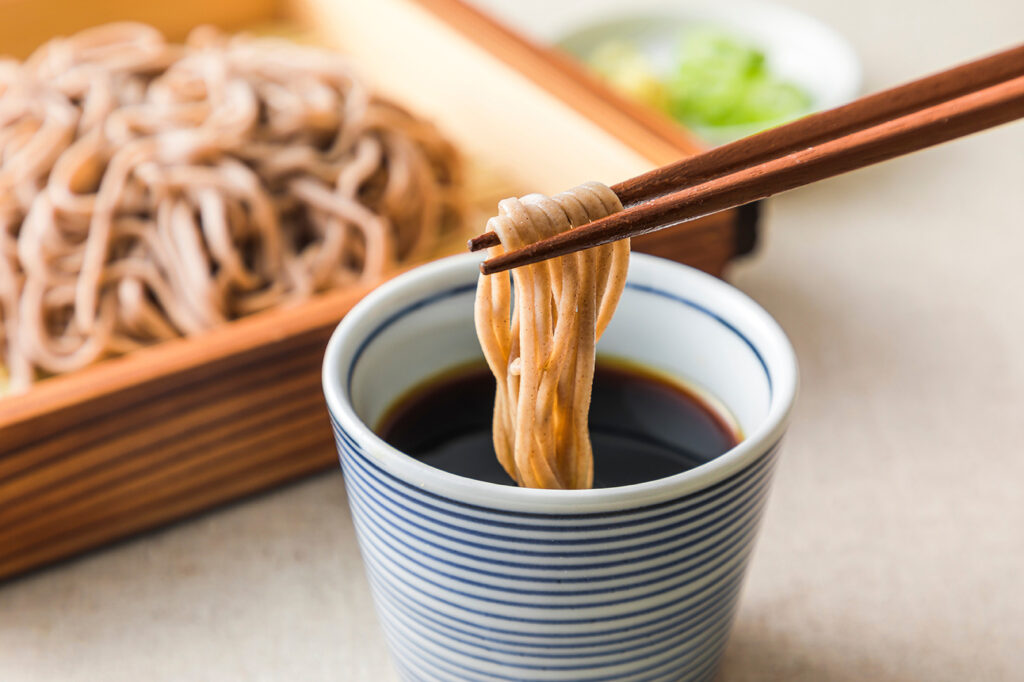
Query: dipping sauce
643, 426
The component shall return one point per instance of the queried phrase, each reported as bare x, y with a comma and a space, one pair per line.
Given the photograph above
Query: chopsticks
919, 114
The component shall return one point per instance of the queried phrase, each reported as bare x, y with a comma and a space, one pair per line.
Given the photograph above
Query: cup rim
424, 280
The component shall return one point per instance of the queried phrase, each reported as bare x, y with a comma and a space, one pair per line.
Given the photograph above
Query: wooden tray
142, 440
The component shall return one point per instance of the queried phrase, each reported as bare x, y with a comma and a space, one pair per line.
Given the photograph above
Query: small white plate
797, 47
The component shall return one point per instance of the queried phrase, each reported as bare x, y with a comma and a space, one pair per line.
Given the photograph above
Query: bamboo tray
167, 431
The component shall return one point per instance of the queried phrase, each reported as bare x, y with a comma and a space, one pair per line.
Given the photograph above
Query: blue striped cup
478, 581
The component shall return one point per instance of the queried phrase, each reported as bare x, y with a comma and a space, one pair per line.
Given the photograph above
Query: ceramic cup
479, 581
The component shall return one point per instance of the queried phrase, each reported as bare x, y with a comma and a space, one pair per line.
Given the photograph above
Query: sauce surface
642, 426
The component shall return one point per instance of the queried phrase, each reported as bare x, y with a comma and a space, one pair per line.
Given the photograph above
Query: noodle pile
150, 190
540, 341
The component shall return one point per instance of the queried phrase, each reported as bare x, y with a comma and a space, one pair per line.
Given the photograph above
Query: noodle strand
538, 329
150, 190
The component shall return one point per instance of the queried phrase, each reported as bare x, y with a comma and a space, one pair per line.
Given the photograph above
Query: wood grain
272, 465
174, 431
285, 426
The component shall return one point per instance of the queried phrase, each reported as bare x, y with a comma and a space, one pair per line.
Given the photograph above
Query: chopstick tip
483, 241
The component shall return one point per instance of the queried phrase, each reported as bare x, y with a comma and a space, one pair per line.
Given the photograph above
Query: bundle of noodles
540, 340
150, 190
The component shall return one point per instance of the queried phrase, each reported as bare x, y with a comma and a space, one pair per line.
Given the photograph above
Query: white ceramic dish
798, 47
480, 581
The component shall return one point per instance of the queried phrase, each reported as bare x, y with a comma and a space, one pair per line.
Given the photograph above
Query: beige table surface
893, 547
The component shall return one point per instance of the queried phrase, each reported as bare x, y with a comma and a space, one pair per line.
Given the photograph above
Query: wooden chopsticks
919, 114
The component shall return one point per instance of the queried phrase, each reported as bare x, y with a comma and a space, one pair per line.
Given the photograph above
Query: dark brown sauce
642, 426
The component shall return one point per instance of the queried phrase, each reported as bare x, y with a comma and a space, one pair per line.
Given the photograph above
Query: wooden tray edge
648, 132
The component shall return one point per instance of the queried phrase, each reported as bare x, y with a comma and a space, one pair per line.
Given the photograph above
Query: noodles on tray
540, 341
150, 190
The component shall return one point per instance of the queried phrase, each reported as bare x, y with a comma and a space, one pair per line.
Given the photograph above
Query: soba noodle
150, 190
540, 340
